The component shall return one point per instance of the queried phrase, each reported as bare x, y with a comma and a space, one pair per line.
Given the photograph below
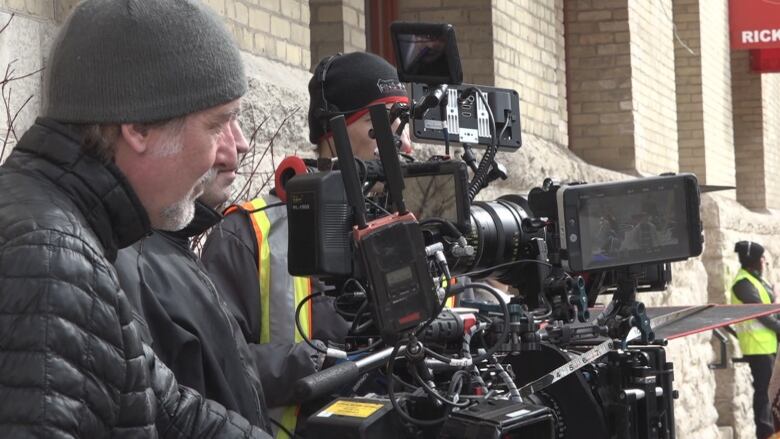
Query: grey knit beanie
129, 61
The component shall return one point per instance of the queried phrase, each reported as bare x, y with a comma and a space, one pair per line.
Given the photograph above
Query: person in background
757, 337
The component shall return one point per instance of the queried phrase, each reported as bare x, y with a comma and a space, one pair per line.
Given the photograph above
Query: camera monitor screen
437, 190
427, 53
636, 222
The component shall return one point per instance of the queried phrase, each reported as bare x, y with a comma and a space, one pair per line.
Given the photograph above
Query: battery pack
355, 418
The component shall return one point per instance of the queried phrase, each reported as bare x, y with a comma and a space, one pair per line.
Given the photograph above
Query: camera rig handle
348, 171
327, 381
389, 155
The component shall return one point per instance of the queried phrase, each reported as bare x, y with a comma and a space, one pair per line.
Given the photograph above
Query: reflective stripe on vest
754, 338
277, 304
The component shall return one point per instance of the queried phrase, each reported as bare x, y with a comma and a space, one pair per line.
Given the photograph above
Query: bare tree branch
5, 96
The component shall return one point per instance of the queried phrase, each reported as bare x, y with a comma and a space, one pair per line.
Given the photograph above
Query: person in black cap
757, 337
246, 255
347, 85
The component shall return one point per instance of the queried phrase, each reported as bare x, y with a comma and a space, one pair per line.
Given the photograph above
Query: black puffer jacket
72, 364
187, 324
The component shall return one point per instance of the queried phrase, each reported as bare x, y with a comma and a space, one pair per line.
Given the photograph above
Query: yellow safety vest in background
754, 338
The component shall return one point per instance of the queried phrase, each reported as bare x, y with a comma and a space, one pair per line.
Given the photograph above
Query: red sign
755, 24
765, 60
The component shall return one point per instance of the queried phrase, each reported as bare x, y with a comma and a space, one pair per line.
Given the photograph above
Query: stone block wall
726, 222
24, 45
49, 10
734, 401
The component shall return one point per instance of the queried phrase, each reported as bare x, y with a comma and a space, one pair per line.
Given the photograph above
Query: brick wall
274, 29
688, 72
622, 104
748, 132
770, 95
472, 22
510, 44
337, 26
599, 80
716, 94
529, 57
703, 75
653, 88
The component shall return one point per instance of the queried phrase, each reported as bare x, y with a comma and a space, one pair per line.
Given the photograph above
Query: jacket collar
100, 191
204, 219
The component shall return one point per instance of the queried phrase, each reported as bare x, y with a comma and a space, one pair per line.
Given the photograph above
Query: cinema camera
535, 366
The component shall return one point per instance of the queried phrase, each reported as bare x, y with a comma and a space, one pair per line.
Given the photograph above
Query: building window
380, 14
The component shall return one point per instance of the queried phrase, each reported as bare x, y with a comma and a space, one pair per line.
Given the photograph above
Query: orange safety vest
277, 305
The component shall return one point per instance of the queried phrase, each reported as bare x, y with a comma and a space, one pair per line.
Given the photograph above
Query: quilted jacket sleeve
61, 349
72, 364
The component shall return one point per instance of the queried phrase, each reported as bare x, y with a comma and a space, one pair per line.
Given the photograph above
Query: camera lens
498, 237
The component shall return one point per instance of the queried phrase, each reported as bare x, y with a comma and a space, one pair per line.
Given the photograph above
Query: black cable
490, 152
455, 233
284, 429
506, 264
393, 400
358, 314
403, 382
368, 348
373, 203
547, 313
342, 312
260, 209
312, 345
439, 309
431, 391
457, 289
359, 293
362, 327
298, 322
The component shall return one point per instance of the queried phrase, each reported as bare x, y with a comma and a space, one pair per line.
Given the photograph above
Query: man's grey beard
178, 215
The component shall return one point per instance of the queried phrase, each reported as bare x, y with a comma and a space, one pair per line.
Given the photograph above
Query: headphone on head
327, 109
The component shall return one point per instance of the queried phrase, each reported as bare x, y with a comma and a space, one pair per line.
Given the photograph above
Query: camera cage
463, 118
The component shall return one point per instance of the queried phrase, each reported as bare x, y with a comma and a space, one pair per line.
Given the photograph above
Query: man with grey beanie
139, 98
